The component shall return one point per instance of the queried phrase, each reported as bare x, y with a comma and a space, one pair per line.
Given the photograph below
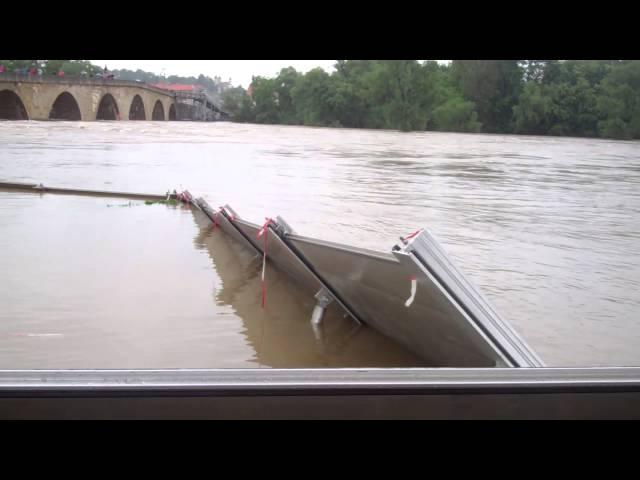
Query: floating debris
161, 202
130, 204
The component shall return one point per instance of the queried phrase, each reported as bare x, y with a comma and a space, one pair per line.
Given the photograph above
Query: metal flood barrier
414, 295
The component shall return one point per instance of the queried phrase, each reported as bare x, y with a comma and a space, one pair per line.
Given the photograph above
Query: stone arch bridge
45, 98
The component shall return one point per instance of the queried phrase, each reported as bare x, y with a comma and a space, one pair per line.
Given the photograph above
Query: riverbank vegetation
575, 98
584, 98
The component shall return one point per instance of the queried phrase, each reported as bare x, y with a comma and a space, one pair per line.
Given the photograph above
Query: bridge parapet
33, 97
79, 80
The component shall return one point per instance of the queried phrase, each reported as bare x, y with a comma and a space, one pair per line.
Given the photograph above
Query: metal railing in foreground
496, 393
330, 393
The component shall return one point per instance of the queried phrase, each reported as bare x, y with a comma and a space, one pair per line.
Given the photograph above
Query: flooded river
547, 228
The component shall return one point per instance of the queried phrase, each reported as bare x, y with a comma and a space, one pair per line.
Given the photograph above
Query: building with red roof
180, 87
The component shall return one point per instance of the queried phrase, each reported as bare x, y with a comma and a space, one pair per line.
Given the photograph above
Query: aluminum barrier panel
415, 295
424, 252
377, 286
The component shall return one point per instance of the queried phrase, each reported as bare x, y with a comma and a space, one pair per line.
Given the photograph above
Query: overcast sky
240, 71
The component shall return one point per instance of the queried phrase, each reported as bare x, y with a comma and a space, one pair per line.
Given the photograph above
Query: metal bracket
282, 227
230, 210
324, 298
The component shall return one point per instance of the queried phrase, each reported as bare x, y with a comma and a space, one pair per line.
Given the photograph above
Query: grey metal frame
424, 251
450, 324
344, 380
39, 188
495, 393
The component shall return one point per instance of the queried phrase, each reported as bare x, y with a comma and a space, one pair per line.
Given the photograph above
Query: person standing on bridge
2, 69
61, 73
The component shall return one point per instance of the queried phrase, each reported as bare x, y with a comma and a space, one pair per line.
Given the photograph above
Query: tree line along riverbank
593, 98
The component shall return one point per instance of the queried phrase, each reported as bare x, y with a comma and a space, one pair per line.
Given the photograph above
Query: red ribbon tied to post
264, 231
215, 220
411, 235
232, 217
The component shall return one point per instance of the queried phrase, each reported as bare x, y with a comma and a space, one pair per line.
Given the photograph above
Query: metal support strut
323, 298
282, 229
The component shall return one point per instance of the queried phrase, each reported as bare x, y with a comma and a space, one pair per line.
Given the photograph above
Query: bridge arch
158, 111
172, 112
11, 106
136, 111
108, 108
65, 107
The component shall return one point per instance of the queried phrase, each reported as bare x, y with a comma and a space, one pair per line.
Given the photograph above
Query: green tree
619, 102
238, 104
534, 70
284, 83
564, 103
266, 100
311, 97
446, 108
346, 105
494, 87
402, 92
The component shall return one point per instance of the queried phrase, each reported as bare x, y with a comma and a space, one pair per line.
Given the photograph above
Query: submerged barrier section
40, 188
414, 294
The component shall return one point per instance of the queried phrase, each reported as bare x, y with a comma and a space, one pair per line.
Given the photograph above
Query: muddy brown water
547, 228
